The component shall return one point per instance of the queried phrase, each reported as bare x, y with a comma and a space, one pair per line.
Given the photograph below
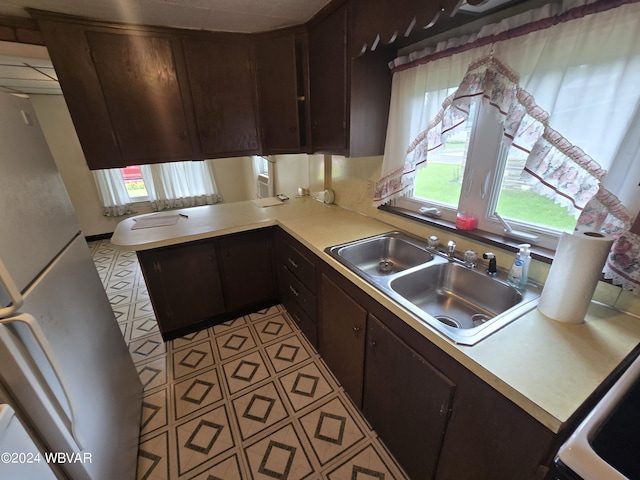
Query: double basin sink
463, 303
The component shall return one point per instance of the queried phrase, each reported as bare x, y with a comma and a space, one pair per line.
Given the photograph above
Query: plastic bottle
519, 272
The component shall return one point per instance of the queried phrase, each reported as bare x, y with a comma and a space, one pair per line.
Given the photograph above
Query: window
134, 183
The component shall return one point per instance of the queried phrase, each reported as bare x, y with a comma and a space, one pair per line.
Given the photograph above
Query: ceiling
26, 69
218, 15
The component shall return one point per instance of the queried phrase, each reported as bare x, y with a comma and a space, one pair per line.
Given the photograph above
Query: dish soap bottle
519, 272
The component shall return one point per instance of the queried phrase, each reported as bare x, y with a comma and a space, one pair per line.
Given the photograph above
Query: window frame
482, 180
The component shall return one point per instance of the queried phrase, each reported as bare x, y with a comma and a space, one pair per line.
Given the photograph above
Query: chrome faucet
451, 250
470, 256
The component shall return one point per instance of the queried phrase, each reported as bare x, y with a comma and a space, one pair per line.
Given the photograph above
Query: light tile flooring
246, 399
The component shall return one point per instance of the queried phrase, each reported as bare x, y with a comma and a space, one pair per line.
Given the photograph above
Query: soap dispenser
519, 272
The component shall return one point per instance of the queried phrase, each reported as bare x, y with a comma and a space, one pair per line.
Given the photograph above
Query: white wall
291, 172
234, 176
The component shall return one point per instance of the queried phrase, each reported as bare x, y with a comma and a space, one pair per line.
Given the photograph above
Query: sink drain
385, 266
479, 319
448, 321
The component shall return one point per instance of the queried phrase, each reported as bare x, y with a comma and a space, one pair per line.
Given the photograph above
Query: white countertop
548, 368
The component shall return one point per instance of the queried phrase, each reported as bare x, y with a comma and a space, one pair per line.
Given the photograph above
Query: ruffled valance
554, 168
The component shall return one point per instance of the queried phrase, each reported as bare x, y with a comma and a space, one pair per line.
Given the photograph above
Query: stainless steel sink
455, 295
465, 304
382, 255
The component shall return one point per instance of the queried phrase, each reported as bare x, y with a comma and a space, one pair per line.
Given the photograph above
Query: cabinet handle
296, 317
294, 291
356, 329
372, 344
292, 262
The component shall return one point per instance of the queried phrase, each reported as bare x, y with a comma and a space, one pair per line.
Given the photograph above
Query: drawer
299, 265
294, 289
308, 326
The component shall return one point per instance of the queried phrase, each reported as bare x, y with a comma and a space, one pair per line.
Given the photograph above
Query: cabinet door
277, 81
328, 83
70, 55
342, 329
143, 95
184, 284
406, 400
246, 262
222, 85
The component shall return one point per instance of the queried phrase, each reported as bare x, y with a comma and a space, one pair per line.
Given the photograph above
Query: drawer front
298, 264
293, 289
308, 326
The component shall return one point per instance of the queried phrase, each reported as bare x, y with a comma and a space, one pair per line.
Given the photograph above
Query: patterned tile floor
247, 399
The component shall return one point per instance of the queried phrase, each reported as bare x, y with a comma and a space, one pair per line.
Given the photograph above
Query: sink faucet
493, 266
451, 249
449, 252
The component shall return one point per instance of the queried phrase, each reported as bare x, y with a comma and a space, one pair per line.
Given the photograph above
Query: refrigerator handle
14, 294
40, 337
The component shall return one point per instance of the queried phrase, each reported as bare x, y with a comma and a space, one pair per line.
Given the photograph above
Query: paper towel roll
574, 275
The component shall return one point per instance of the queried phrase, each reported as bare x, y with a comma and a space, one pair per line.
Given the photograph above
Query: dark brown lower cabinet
246, 268
196, 284
184, 284
341, 342
406, 400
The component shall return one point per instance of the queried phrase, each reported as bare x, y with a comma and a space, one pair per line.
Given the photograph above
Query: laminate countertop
548, 368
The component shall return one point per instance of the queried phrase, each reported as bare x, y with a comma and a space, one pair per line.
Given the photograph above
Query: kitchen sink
464, 304
382, 255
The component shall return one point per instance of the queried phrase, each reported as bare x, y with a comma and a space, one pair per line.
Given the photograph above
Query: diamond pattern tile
203, 438
259, 409
245, 372
234, 343
196, 393
192, 359
280, 455
248, 399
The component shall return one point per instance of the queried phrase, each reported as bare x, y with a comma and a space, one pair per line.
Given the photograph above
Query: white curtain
564, 82
112, 192
180, 184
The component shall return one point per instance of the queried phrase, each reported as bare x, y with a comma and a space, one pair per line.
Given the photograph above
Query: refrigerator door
100, 391
21, 459
37, 219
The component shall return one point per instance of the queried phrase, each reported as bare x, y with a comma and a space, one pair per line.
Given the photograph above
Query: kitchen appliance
65, 372
606, 444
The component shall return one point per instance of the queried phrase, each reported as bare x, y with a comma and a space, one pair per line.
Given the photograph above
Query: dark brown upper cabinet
328, 83
281, 59
349, 96
143, 94
223, 88
69, 51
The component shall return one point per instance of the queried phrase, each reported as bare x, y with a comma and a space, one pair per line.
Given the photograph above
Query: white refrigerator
66, 375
